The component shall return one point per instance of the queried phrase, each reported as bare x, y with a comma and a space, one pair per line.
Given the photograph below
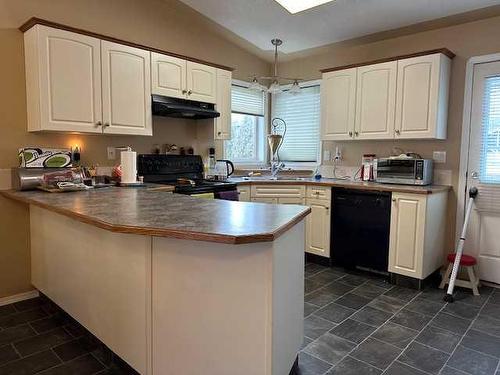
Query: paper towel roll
129, 166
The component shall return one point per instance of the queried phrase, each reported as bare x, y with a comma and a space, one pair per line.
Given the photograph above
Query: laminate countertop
157, 213
348, 184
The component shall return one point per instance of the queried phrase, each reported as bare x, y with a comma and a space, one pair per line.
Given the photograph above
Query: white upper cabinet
201, 82
63, 81
422, 97
399, 99
376, 99
126, 89
223, 123
338, 104
168, 75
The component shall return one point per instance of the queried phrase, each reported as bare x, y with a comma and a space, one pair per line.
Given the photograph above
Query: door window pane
490, 151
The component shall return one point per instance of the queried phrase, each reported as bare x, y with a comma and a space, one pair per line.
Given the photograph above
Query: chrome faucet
276, 167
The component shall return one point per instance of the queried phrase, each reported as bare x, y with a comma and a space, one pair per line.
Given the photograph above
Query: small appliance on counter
223, 169
43, 157
185, 173
368, 167
404, 169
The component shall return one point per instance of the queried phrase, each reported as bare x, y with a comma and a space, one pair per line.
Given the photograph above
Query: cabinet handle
98, 123
350, 134
356, 134
184, 91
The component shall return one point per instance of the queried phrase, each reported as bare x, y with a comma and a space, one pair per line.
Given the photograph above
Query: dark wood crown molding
444, 51
39, 21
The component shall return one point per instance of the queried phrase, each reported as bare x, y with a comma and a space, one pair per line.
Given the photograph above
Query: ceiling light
275, 79
296, 6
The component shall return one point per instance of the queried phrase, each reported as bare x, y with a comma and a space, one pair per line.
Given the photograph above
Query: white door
418, 96
201, 82
126, 89
318, 228
407, 234
70, 81
338, 104
483, 238
223, 123
376, 101
168, 76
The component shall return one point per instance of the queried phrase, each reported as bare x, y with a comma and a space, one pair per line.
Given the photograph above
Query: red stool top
465, 260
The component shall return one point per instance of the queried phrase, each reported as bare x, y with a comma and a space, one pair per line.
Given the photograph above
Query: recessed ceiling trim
296, 6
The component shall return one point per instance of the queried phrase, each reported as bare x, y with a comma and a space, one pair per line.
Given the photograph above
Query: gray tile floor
36, 337
354, 324
357, 324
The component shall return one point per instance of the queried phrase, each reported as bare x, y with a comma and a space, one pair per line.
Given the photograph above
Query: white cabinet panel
290, 200
126, 87
338, 104
63, 81
223, 123
244, 193
278, 191
264, 200
318, 227
375, 101
201, 82
168, 75
406, 249
422, 97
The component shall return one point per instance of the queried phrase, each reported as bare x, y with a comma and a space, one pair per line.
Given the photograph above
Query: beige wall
164, 24
465, 40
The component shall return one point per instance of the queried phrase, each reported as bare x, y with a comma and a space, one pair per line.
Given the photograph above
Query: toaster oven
405, 171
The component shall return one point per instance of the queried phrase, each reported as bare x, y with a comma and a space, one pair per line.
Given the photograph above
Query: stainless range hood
182, 108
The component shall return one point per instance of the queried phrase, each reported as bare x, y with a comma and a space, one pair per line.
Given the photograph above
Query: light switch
326, 155
439, 156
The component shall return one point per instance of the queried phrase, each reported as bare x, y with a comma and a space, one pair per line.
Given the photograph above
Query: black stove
185, 172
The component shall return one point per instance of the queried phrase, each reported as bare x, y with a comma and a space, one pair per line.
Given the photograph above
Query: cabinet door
318, 228
376, 101
223, 123
63, 76
407, 234
168, 75
419, 97
265, 200
201, 82
290, 201
244, 193
338, 104
126, 89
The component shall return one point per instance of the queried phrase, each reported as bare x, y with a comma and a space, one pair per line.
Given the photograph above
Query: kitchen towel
204, 195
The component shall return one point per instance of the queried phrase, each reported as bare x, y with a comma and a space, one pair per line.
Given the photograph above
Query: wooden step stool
469, 262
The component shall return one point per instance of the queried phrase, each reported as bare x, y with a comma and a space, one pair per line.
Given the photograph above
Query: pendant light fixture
275, 80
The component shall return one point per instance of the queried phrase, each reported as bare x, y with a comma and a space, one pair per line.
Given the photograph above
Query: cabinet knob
184, 91
98, 123
219, 133
189, 92
350, 134
394, 200
398, 132
356, 134
106, 124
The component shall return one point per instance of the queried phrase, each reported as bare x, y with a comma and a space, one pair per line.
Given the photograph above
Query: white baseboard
19, 297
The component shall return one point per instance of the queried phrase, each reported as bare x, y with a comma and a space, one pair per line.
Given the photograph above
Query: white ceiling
258, 21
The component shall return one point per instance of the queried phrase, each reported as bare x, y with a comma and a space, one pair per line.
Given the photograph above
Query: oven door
396, 171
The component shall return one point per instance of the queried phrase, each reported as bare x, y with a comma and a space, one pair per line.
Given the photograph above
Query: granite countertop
361, 185
157, 213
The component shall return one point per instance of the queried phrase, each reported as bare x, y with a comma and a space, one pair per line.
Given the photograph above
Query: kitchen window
248, 128
301, 113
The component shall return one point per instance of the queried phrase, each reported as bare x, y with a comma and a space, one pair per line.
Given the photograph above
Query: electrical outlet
326, 155
111, 153
439, 156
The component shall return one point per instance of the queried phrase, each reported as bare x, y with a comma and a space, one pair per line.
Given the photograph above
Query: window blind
490, 150
301, 113
246, 101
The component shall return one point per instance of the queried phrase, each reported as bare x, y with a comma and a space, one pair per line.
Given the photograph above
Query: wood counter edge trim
427, 191
40, 21
169, 233
444, 51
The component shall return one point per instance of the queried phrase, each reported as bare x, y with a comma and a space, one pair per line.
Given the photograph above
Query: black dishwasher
360, 229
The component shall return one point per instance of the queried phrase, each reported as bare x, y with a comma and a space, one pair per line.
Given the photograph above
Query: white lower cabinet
318, 227
244, 193
418, 225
